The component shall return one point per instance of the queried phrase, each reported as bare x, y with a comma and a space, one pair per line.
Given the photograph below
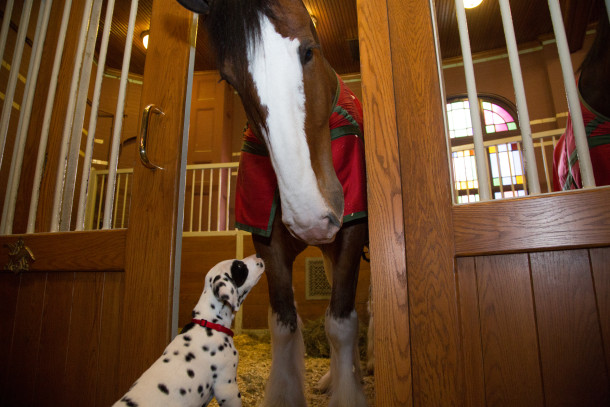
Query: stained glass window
495, 118
504, 163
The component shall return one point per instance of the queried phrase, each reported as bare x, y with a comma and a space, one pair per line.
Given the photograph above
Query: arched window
502, 141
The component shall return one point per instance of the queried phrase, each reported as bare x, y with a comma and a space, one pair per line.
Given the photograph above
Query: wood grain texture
23, 351
508, 331
80, 375
152, 233
72, 251
600, 266
571, 350
9, 289
386, 227
54, 334
566, 220
433, 313
110, 340
470, 331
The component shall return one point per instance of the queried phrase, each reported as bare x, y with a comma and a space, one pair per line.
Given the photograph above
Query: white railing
507, 178
209, 198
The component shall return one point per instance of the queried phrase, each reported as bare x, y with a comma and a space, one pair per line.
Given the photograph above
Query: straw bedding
255, 362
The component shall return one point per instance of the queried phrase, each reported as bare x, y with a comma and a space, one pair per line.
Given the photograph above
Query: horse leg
285, 385
343, 257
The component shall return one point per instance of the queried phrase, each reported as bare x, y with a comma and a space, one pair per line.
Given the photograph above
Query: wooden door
95, 308
502, 303
209, 128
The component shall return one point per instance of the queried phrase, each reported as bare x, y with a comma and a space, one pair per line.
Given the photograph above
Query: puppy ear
239, 272
225, 290
197, 6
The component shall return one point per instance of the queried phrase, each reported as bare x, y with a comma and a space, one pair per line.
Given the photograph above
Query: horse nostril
333, 219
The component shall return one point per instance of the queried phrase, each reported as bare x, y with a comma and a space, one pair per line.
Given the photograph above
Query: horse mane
232, 25
599, 48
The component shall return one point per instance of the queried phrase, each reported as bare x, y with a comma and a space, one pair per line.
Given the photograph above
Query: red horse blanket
566, 169
257, 194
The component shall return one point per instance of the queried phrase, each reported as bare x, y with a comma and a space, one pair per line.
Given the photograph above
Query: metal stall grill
88, 105
485, 169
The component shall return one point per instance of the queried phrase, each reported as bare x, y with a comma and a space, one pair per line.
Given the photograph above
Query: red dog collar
211, 325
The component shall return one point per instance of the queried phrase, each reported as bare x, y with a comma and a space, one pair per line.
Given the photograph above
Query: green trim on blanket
258, 231
253, 147
354, 216
344, 131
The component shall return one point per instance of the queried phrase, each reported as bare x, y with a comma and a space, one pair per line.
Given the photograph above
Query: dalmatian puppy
201, 362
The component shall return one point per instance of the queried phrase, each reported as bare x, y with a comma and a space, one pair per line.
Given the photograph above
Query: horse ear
224, 289
197, 6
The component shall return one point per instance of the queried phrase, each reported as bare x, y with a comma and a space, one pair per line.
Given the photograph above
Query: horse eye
307, 56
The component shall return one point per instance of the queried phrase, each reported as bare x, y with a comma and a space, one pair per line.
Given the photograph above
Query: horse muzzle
317, 232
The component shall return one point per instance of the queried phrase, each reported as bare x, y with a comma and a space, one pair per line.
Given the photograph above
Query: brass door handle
144, 133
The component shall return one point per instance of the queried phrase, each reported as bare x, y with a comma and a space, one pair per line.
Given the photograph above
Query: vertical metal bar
116, 136
99, 207
13, 76
200, 199
210, 199
6, 22
580, 137
8, 212
116, 200
473, 99
182, 183
228, 200
218, 212
91, 200
125, 200
549, 187
46, 122
531, 169
608, 8
192, 201
79, 118
63, 155
82, 200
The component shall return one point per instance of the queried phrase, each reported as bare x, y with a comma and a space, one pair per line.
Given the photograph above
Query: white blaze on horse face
276, 69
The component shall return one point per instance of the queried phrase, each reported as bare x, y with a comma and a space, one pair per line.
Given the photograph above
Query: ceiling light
144, 37
472, 3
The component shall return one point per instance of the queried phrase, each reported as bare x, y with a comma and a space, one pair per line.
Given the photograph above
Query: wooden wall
60, 323
535, 328
200, 254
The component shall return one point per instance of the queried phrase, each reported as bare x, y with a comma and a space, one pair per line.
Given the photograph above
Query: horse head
269, 51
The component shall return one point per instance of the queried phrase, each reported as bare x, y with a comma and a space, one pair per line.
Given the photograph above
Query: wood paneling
470, 331
55, 329
73, 251
541, 317
64, 345
551, 221
21, 367
386, 226
600, 265
508, 331
426, 197
569, 330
